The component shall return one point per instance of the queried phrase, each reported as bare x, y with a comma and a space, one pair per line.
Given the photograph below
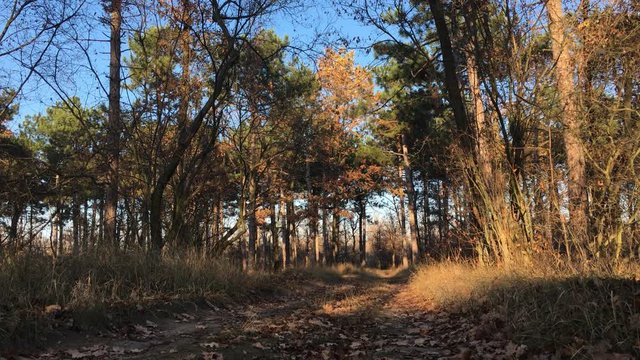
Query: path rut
359, 316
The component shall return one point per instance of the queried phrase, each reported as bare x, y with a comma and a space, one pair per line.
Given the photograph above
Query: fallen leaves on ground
355, 319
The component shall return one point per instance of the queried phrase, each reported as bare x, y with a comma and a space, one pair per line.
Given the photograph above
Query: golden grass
87, 285
542, 304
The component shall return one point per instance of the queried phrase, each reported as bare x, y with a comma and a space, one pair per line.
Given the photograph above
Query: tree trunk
326, 248
284, 230
444, 211
407, 257
113, 156
411, 201
273, 227
313, 216
290, 244
561, 49
335, 235
94, 215
426, 214
251, 221
179, 232
75, 216
483, 126
452, 84
85, 227
13, 227
144, 228
60, 229
365, 249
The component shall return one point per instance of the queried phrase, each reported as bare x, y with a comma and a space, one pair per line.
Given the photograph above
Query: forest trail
358, 316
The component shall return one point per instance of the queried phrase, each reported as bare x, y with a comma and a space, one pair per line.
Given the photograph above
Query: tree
232, 21
346, 95
113, 126
561, 47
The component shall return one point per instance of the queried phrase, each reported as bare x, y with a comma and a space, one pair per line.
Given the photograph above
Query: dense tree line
494, 129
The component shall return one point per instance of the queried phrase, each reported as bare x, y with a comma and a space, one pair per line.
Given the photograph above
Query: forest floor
369, 315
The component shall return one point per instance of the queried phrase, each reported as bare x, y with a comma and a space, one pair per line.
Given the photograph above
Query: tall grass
33, 283
543, 305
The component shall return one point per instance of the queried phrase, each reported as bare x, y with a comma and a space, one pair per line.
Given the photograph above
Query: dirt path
360, 316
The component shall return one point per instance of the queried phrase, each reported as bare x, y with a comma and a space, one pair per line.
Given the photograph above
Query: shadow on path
365, 314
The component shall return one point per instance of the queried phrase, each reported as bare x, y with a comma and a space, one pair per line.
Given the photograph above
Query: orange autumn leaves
347, 100
347, 89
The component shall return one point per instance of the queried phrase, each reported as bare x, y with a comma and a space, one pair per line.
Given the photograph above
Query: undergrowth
585, 308
37, 288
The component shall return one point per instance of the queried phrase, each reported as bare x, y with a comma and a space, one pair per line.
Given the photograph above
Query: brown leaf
258, 345
420, 341
76, 354
151, 324
52, 309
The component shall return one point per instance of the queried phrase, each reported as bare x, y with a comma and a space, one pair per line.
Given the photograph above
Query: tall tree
113, 126
562, 49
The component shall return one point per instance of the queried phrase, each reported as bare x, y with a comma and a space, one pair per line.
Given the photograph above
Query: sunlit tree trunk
411, 202
564, 70
482, 122
407, 257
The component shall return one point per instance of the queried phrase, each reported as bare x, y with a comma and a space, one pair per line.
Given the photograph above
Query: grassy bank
582, 311
39, 291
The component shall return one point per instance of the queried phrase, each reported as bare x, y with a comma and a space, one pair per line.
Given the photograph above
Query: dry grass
330, 274
83, 288
545, 306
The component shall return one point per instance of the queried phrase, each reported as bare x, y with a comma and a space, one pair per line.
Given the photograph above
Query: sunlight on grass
37, 287
541, 305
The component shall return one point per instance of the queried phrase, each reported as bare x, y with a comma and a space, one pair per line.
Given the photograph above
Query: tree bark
13, 227
411, 202
313, 216
75, 216
113, 156
482, 124
251, 221
326, 248
364, 248
290, 244
407, 257
452, 83
574, 147
335, 235
284, 230
273, 227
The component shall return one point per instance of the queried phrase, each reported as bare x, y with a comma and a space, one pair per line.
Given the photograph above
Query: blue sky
302, 25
